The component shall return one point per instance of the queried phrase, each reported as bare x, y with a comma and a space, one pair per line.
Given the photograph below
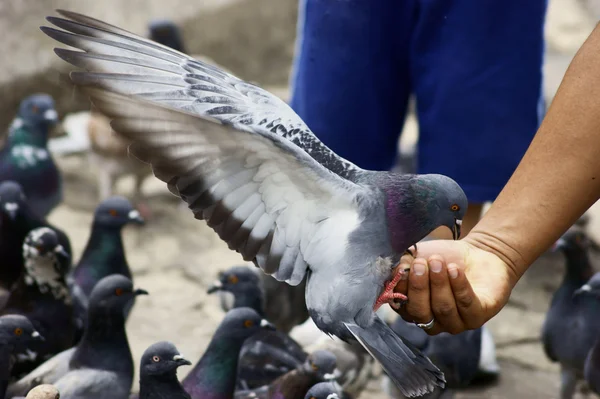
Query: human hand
459, 283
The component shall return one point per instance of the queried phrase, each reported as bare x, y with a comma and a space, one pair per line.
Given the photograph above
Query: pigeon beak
583, 289
51, 116
456, 229
135, 217
37, 336
60, 251
217, 286
266, 325
11, 209
559, 244
332, 376
181, 361
140, 291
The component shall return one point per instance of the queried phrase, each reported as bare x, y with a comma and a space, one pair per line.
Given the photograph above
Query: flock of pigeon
245, 163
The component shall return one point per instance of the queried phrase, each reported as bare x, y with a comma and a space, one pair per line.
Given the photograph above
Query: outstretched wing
159, 73
265, 196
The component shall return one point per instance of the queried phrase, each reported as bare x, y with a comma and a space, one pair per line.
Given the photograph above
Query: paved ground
175, 257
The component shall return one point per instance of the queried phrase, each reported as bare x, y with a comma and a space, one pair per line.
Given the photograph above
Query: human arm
556, 181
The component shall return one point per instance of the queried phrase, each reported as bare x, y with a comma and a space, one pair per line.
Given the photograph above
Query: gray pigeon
591, 369
248, 165
158, 372
16, 336
324, 390
572, 323
100, 366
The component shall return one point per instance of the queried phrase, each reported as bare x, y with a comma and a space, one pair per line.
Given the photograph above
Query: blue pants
474, 67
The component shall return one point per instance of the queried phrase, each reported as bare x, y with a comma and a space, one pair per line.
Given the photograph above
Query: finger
419, 304
467, 303
442, 297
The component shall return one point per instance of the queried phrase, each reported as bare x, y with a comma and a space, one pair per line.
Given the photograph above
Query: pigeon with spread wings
245, 163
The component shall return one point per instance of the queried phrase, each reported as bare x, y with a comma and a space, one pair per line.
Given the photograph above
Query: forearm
558, 179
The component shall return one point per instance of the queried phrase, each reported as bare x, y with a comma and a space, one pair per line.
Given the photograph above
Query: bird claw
394, 299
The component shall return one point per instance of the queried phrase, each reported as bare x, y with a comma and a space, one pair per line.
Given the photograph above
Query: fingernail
419, 269
435, 265
453, 271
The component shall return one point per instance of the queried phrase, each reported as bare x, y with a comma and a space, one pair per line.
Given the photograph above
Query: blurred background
175, 257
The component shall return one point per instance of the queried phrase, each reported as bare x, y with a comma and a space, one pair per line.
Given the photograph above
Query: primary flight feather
247, 164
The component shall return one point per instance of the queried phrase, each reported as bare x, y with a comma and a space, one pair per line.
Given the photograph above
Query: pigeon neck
578, 267
6, 361
250, 298
161, 386
214, 376
24, 222
28, 133
42, 278
104, 344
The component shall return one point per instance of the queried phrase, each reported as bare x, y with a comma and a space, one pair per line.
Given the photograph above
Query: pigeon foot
394, 299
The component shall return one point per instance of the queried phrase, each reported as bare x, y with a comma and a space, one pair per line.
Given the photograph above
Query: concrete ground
175, 257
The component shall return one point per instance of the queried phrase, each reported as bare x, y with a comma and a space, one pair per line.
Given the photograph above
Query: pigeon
591, 370
100, 366
158, 372
267, 354
25, 157
245, 163
104, 253
45, 391
324, 390
571, 325
41, 294
16, 336
215, 373
281, 304
319, 366
456, 355
16, 221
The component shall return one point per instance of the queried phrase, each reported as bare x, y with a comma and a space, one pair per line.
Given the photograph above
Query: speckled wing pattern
235, 153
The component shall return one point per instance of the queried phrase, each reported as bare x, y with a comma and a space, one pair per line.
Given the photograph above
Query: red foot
388, 295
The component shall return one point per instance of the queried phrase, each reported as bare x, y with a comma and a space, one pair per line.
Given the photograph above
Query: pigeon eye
155, 359
454, 208
119, 291
113, 212
314, 367
18, 331
248, 323
233, 279
35, 109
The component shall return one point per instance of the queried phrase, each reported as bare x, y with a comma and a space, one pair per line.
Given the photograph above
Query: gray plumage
248, 165
591, 369
101, 366
158, 372
324, 390
572, 323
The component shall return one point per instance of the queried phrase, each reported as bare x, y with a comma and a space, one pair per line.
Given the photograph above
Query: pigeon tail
410, 370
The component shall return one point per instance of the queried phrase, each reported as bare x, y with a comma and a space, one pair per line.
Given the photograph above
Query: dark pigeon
214, 375
320, 366
247, 164
16, 221
104, 253
591, 369
324, 390
564, 337
267, 354
41, 294
166, 33
17, 334
456, 355
158, 372
100, 366
25, 157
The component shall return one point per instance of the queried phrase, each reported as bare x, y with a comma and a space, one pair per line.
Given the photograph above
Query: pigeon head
43, 243
46, 261
18, 333
38, 110
323, 390
45, 391
162, 358
113, 294
116, 212
12, 200
235, 280
242, 323
592, 287
166, 33
575, 240
322, 364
